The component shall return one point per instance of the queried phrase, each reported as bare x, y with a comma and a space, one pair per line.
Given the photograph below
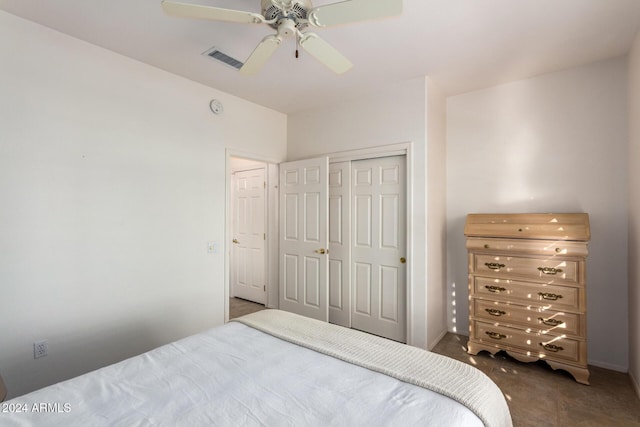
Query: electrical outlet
40, 349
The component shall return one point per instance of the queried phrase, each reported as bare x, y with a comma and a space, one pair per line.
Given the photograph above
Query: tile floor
239, 307
537, 395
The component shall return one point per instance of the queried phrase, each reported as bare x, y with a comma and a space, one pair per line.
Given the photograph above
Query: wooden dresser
527, 287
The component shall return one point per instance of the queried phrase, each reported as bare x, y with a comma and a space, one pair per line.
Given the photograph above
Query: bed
271, 368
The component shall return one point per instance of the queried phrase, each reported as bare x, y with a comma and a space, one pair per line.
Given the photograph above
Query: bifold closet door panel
304, 194
340, 243
378, 270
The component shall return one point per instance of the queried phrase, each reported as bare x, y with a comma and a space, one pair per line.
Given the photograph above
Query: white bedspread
234, 375
441, 374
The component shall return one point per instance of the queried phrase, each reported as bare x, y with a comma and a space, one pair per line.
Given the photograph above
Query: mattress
239, 375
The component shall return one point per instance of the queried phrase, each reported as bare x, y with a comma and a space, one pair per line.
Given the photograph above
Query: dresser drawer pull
495, 312
551, 322
552, 347
550, 270
495, 335
494, 265
495, 289
550, 297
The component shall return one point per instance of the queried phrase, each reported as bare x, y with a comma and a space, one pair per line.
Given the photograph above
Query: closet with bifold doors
359, 266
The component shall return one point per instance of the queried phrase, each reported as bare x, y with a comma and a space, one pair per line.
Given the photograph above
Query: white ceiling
462, 44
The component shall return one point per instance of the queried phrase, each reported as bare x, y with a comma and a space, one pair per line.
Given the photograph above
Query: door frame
272, 229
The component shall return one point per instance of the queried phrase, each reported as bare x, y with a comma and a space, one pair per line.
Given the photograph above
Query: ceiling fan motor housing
295, 10
286, 27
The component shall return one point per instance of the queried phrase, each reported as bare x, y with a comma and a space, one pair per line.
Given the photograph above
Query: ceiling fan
290, 18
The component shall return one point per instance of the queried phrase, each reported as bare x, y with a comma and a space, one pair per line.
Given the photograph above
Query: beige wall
112, 178
634, 213
553, 143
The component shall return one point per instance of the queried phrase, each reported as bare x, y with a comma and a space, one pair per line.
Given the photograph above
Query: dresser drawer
551, 297
553, 226
536, 317
535, 343
547, 270
549, 248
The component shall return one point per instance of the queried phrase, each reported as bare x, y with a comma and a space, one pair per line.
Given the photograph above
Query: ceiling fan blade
261, 55
187, 10
325, 53
346, 12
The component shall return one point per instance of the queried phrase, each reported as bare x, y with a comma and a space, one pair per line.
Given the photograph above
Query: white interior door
340, 243
303, 237
249, 222
379, 247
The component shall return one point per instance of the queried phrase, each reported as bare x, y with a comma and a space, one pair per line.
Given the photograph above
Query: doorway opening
251, 275
248, 230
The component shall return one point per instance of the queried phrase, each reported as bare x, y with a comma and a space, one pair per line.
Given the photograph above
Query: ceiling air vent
214, 53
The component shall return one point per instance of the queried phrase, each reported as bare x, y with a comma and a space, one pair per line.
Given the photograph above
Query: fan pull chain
297, 45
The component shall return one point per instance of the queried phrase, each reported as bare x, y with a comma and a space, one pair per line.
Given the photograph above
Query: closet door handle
321, 251
235, 241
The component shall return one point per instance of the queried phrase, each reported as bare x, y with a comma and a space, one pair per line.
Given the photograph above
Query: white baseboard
609, 366
635, 383
437, 340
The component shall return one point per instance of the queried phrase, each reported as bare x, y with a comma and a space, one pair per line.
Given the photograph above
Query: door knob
403, 260
235, 241
322, 251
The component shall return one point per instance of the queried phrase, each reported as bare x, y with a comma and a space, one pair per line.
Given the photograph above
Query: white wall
436, 213
241, 164
112, 174
634, 213
554, 143
390, 115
